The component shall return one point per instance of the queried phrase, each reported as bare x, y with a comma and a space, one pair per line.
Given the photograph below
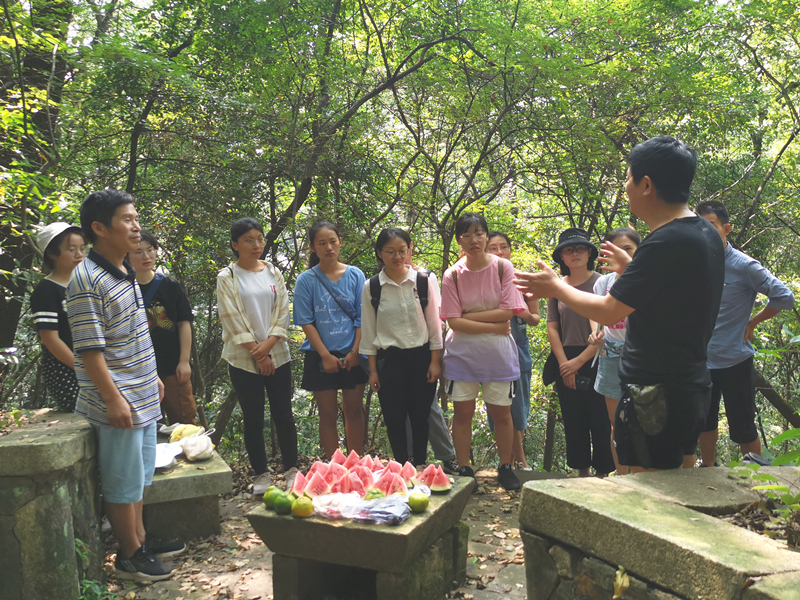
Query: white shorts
500, 393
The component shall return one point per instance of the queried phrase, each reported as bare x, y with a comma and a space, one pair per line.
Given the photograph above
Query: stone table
183, 502
421, 559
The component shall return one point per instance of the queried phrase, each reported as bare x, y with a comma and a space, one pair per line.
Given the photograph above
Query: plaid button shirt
236, 326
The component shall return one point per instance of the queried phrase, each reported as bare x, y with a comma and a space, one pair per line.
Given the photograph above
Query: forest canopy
387, 113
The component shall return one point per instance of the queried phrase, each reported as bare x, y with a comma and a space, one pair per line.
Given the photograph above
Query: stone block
567, 560
656, 594
510, 581
638, 589
566, 590
596, 579
541, 572
15, 492
43, 528
428, 577
190, 480
674, 547
710, 491
354, 544
297, 579
785, 586
10, 564
460, 543
54, 443
183, 519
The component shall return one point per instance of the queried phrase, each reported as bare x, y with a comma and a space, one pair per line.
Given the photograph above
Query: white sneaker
261, 483
290, 476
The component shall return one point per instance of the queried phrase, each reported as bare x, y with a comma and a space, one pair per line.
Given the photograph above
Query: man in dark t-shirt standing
670, 293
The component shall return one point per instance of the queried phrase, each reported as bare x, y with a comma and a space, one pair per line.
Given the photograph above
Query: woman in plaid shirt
253, 307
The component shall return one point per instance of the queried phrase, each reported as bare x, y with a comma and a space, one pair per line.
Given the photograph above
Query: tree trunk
223, 416
774, 398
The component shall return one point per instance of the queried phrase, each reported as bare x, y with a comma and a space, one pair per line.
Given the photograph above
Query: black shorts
736, 385
687, 406
315, 379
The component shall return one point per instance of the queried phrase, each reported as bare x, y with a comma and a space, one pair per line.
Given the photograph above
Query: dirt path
237, 565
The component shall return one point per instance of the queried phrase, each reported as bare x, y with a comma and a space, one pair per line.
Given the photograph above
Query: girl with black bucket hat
586, 426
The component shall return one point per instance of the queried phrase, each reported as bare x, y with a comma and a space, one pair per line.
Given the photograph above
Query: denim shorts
607, 382
127, 460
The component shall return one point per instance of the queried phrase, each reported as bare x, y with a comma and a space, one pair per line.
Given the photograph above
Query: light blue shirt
744, 279
313, 304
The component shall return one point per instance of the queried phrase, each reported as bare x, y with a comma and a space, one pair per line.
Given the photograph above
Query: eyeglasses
393, 253
579, 249
478, 235
150, 251
254, 241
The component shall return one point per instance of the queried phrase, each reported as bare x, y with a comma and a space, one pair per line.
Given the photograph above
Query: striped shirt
237, 328
106, 313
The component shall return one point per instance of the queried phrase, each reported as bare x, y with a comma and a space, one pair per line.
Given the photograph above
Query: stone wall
660, 528
49, 505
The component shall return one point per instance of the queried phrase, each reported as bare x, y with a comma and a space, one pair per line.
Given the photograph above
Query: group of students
630, 350
385, 332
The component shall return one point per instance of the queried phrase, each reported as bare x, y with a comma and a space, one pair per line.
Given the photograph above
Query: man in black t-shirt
670, 293
169, 317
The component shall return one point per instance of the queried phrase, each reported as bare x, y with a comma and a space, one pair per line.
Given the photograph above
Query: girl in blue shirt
327, 305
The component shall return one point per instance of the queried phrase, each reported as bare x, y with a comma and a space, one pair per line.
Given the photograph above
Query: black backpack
422, 289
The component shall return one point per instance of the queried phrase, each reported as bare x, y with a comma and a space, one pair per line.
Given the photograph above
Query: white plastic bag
198, 446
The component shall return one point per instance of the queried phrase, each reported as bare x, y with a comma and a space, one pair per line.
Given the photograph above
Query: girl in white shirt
402, 341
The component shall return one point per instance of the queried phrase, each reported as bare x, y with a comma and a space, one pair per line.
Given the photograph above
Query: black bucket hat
572, 237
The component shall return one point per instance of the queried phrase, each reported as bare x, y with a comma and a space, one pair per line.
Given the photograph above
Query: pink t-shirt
481, 357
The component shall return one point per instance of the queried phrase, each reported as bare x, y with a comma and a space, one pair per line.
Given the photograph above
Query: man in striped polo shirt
116, 369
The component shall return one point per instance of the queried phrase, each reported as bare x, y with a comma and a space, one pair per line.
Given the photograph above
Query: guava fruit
418, 502
338, 457
440, 482
302, 507
316, 486
283, 504
351, 460
270, 495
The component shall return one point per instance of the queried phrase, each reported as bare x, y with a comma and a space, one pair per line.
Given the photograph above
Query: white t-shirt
258, 297
615, 333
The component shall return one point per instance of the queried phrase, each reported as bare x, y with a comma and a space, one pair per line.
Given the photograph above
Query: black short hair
670, 164
54, 247
492, 234
101, 206
627, 232
240, 227
149, 238
712, 206
467, 220
386, 236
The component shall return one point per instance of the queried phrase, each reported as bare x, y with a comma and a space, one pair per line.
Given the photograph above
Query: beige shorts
493, 392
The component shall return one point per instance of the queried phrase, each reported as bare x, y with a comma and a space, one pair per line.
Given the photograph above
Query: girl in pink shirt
478, 300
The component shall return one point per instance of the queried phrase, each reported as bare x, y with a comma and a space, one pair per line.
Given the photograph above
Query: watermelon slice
318, 467
366, 461
440, 482
334, 474
396, 485
426, 476
365, 475
407, 472
384, 481
377, 464
338, 457
343, 486
394, 466
356, 485
351, 460
316, 486
299, 484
